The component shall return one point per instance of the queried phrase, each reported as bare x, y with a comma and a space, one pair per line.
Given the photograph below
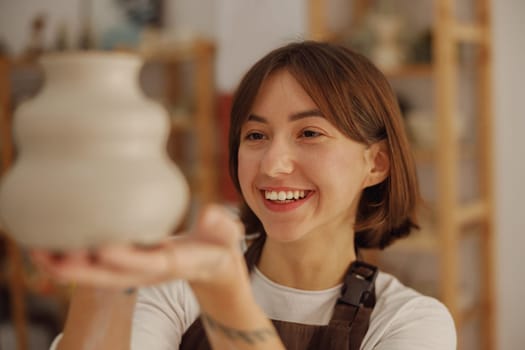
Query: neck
308, 264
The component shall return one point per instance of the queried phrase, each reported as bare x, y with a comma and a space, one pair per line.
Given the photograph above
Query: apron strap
346, 329
357, 296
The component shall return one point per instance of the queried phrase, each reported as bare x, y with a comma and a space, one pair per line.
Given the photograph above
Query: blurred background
455, 67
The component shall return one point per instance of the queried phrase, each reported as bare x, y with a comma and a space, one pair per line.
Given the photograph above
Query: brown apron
346, 329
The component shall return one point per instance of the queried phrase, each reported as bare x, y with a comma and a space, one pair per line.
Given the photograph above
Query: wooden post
14, 259
205, 129
17, 293
317, 20
485, 171
6, 146
445, 56
359, 11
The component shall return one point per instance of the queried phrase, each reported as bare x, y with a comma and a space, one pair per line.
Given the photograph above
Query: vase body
92, 164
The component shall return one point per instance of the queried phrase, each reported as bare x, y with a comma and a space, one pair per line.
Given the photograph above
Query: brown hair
357, 98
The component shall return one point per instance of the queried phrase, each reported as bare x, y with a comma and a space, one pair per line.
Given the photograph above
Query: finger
39, 256
183, 258
87, 275
47, 259
194, 260
219, 225
135, 259
71, 255
95, 273
42, 261
191, 260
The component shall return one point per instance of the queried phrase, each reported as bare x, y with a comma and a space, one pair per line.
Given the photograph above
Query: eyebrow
293, 117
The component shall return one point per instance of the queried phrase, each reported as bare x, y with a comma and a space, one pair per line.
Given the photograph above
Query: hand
208, 255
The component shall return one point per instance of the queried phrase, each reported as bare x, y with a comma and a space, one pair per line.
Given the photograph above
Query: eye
308, 133
254, 136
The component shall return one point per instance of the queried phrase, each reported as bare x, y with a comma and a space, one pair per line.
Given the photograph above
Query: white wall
243, 29
16, 16
247, 29
186, 16
509, 60
192, 16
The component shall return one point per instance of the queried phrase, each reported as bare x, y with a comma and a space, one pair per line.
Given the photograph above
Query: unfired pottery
92, 165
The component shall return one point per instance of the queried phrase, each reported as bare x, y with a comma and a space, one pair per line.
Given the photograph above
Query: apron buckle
359, 284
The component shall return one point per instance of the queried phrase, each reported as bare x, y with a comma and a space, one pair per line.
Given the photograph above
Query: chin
284, 233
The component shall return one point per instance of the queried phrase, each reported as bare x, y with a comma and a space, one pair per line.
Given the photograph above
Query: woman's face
297, 172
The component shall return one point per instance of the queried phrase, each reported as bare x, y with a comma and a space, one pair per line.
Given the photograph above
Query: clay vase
92, 165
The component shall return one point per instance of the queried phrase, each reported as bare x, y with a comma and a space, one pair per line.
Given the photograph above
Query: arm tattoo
247, 336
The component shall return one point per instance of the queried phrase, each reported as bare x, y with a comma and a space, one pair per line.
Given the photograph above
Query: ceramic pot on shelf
387, 53
92, 164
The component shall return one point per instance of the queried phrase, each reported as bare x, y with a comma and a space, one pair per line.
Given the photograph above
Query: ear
377, 158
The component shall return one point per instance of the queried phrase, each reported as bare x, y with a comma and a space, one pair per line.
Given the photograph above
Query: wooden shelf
180, 121
199, 120
451, 220
429, 155
469, 313
174, 52
469, 33
427, 239
410, 71
471, 213
418, 242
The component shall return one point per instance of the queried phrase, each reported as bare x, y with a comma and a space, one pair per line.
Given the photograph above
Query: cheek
344, 172
246, 171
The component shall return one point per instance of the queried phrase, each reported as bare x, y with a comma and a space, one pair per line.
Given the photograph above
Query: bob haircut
355, 97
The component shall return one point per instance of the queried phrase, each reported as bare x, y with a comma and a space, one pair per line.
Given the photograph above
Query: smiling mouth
285, 196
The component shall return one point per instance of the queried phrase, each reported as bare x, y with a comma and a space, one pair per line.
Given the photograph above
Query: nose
278, 159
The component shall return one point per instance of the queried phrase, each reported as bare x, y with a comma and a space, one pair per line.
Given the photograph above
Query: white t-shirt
402, 318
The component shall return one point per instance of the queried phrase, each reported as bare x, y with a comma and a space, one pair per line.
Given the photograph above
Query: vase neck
92, 68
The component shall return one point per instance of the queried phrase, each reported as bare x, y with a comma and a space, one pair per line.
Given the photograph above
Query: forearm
250, 329
98, 319
231, 317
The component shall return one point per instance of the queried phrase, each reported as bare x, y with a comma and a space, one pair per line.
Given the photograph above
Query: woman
319, 154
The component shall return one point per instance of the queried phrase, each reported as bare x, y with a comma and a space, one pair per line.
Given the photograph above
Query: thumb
219, 225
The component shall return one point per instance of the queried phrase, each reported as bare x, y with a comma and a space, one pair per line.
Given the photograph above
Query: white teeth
283, 195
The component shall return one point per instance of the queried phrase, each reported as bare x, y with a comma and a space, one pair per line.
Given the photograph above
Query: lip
285, 206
